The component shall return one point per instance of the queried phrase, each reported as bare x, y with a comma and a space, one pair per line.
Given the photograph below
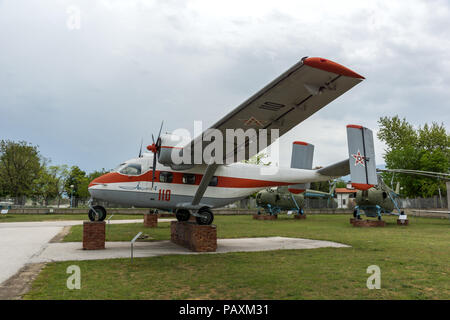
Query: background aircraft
383, 200
275, 200
377, 201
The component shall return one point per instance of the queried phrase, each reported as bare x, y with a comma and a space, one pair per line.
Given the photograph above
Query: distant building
344, 196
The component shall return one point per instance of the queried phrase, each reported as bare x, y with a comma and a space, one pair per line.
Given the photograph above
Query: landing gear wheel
183, 215
101, 213
206, 218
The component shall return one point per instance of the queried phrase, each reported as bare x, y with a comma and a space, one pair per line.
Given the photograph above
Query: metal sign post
109, 219
132, 243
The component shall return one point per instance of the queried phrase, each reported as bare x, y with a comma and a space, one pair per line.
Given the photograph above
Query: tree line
25, 173
424, 148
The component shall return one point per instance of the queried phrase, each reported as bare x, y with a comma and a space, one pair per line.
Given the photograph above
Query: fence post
448, 194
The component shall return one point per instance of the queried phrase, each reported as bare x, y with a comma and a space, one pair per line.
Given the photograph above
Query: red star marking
359, 159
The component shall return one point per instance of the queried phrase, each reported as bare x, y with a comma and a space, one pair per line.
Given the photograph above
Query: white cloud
87, 96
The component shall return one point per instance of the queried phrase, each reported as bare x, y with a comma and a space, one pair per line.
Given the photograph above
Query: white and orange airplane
193, 187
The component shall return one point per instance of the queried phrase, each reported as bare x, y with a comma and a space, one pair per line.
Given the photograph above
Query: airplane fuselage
173, 189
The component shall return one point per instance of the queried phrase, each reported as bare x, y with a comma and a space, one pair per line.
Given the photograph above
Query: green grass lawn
58, 217
414, 264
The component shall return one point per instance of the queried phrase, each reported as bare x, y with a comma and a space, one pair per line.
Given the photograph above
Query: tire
183, 215
100, 210
207, 217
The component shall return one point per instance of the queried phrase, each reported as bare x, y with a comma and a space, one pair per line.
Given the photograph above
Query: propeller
140, 150
155, 147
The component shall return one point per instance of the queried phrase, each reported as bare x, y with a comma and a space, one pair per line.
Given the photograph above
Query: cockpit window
131, 169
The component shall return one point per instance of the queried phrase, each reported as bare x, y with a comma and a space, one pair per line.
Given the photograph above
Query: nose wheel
97, 213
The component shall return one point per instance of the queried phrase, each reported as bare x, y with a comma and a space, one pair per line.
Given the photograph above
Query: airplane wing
302, 90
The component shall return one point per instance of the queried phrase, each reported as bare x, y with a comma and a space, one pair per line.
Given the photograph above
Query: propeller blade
160, 129
153, 138
140, 150
153, 170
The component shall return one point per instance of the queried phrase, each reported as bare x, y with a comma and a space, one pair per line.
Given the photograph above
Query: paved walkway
21, 241
73, 251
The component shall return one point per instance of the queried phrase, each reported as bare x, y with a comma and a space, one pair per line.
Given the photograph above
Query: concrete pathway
73, 251
21, 241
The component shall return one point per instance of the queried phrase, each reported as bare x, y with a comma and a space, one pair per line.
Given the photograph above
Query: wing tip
331, 66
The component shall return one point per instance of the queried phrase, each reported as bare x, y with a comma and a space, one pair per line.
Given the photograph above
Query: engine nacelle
171, 146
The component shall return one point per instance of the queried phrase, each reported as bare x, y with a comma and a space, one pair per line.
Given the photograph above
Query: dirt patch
60, 236
20, 283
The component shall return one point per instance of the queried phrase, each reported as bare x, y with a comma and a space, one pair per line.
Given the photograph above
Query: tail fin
361, 157
302, 158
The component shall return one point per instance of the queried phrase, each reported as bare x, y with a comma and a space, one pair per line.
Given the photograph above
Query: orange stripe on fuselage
223, 182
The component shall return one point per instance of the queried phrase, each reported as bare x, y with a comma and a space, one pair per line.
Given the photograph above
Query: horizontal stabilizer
339, 169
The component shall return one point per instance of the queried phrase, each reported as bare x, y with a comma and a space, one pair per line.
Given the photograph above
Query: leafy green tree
78, 179
50, 183
341, 183
258, 159
97, 173
323, 186
426, 149
20, 166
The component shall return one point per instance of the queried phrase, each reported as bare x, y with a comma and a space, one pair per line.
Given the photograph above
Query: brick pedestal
367, 223
93, 235
265, 217
402, 222
198, 238
299, 216
166, 215
150, 220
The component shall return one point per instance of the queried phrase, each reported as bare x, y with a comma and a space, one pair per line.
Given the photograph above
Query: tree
50, 183
97, 173
20, 165
258, 159
78, 179
426, 149
323, 186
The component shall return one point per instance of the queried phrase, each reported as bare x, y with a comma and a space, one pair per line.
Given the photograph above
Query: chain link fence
248, 203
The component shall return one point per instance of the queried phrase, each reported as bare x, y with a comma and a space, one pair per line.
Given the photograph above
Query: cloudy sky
87, 92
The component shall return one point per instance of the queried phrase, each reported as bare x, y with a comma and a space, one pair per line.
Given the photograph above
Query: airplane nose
99, 180
93, 183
